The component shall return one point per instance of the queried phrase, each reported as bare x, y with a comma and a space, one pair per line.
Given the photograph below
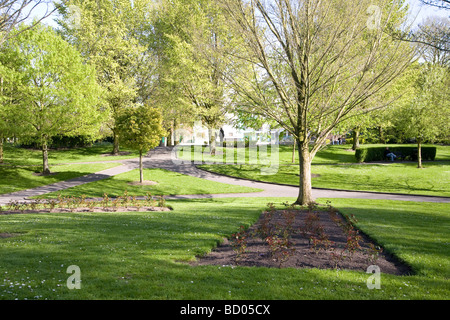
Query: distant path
161, 157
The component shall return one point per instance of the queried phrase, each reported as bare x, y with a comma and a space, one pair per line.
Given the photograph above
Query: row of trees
307, 66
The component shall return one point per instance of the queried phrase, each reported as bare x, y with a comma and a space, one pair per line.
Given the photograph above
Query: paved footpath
163, 158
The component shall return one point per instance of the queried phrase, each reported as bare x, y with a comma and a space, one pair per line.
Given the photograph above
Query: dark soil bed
306, 239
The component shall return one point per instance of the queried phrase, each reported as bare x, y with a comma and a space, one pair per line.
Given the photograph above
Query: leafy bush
367, 154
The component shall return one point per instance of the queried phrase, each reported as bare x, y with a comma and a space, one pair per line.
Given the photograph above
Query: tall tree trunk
212, 141
356, 132
381, 132
45, 167
141, 171
171, 141
115, 143
293, 151
419, 153
305, 186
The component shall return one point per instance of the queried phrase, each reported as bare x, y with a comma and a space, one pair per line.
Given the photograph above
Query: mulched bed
317, 239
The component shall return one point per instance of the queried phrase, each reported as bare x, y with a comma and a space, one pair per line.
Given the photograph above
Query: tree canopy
55, 92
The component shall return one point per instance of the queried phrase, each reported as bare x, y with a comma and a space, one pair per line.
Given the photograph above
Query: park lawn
405, 178
138, 255
330, 154
16, 156
167, 183
21, 178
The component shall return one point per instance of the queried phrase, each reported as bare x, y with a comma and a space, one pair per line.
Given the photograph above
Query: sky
419, 13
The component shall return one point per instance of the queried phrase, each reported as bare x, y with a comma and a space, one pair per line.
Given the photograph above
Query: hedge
367, 154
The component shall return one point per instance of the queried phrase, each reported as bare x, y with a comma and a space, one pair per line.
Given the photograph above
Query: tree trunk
141, 171
45, 167
212, 142
293, 151
381, 132
116, 143
419, 154
171, 141
305, 186
356, 138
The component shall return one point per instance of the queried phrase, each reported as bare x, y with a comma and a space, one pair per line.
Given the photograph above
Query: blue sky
419, 12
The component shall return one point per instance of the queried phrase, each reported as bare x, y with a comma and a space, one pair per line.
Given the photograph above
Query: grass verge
137, 255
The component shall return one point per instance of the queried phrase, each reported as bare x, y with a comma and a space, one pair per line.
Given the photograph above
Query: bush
234, 144
59, 142
367, 154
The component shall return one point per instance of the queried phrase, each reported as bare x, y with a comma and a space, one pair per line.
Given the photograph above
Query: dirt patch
41, 174
303, 239
8, 235
143, 183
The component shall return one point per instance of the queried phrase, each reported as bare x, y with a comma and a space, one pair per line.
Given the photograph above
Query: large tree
58, 92
196, 37
102, 34
10, 100
324, 59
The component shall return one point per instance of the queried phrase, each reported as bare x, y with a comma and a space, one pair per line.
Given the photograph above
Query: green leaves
50, 90
426, 114
140, 128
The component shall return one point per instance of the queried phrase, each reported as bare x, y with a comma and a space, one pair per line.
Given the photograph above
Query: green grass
20, 178
15, 156
331, 154
415, 232
17, 172
397, 177
136, 255
168, 183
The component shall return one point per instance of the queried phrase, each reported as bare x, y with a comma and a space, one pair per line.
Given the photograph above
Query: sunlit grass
136, 255
14, 179
405, 178
166, 183
15, 156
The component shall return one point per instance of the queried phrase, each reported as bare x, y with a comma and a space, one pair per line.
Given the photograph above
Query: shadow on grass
133, 255
16, 179
414, 233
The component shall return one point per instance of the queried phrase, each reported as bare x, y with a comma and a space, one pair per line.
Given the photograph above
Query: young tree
324, 59
141, 129
427, 115
58, 93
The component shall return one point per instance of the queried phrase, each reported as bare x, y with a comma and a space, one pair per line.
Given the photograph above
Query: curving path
163, 158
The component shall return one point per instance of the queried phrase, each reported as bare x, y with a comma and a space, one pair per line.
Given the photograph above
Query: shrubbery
367, 154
